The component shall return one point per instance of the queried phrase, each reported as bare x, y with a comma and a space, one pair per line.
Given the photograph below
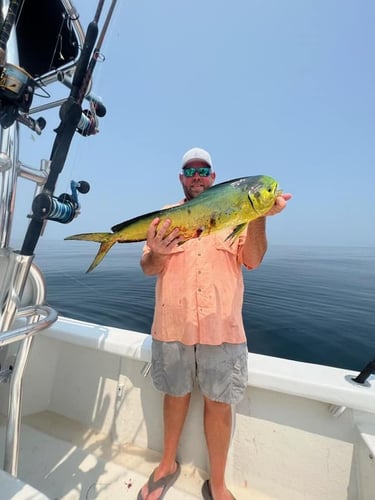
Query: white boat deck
65, 461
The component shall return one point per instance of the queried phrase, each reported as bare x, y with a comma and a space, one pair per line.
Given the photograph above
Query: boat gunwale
317, 382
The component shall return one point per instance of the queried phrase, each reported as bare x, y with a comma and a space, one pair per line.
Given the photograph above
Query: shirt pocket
175, 261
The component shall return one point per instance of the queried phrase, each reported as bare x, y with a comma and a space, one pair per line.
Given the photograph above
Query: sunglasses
202, 171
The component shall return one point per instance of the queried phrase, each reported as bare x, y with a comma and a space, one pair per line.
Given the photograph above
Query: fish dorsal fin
122, 225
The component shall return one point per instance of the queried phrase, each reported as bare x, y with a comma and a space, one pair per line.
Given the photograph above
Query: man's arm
160, 246
255, 245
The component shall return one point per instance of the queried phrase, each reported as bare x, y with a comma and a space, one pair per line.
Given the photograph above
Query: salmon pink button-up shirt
199, 293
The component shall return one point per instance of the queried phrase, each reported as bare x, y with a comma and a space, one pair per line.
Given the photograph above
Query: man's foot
156, 487
207, 493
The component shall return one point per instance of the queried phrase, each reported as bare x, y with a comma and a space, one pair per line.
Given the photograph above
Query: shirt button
199, 254
199, 272
199, 289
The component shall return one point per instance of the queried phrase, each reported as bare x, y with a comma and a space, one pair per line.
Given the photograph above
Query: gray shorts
221, 371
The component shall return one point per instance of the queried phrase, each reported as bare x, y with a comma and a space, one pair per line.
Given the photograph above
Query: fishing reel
88, 124
16, 93
63, 208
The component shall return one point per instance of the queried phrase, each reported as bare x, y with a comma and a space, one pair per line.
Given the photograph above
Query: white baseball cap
196, 154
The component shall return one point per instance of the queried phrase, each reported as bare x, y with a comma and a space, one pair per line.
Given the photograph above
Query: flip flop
206, 491
164, 482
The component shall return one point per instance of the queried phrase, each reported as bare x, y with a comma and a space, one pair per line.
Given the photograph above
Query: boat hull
85, 387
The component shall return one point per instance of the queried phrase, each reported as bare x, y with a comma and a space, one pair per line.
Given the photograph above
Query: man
198, 334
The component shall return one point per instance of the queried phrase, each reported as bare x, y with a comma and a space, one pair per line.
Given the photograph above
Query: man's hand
157, 240
280, 204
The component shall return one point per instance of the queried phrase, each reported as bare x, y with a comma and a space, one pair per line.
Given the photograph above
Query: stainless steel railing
18, 323
33, 319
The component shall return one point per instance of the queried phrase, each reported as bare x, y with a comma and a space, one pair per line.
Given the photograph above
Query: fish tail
106, 241
98, 237
102, 252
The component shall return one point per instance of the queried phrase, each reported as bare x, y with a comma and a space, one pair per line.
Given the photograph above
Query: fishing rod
16, 85
96, 54
71, 111
6, 28
88, 123
64, 208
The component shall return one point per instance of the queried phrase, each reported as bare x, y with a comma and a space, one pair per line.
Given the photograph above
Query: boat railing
47, 315
37, 318
20, 322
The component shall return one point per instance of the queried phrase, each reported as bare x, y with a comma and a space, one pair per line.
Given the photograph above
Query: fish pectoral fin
236, 232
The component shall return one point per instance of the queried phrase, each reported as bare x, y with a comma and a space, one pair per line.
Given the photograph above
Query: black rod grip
7, 25
83, 62
368, 370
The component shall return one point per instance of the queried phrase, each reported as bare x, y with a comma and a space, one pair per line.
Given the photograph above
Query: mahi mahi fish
231, 204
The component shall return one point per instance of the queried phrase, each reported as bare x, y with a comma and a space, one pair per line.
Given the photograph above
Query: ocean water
314, 304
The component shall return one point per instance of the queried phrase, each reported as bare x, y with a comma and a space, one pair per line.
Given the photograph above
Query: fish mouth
276, 191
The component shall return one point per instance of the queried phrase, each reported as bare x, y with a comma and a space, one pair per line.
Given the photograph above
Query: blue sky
283, 88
